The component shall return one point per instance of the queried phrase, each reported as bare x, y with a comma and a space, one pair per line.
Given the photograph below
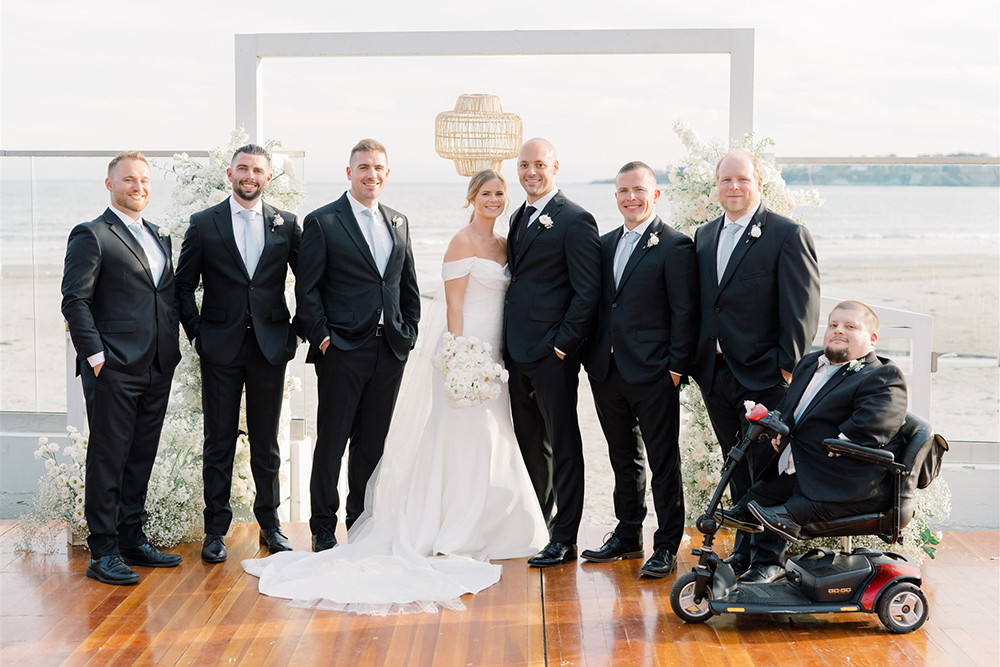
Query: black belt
379, 330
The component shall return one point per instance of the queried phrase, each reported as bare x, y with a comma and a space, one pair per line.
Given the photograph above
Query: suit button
383, 283
513, 278
614, 305
506, 302
251, 288
718, 310
248, 311
378, 311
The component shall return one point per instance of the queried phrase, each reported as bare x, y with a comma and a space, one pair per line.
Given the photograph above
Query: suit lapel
641, 248
224, 225
709, 250
396, 252
515, 218
531, 233
126, 236
345, 216
834, 381
269, 232
743, 245
608, 258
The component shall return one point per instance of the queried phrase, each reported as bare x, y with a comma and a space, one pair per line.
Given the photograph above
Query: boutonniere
276, 221
754, 232
653, 240
856, 365
396, 221
162, 232
545, 221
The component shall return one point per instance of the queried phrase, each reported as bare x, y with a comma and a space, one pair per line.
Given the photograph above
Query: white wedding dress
450, 493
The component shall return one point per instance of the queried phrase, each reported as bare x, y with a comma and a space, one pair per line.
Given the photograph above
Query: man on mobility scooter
848, 463
845, 392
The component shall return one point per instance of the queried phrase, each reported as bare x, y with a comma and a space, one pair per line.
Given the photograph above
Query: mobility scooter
822, 581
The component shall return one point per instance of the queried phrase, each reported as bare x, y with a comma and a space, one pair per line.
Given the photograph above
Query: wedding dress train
450, 493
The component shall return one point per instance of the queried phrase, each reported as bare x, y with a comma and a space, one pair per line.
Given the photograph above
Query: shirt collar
823, 361
742, 221
543, 202
357, 207
641, 227
235, 207
124, 218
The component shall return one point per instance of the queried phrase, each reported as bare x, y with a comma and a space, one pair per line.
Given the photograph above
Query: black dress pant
655, 408
126, 416
357, 392
778, 489
543, 398
728, 417
221, 391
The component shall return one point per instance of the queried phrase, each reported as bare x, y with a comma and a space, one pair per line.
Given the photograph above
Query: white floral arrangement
60, 494
470, 374
693, 195
175, 495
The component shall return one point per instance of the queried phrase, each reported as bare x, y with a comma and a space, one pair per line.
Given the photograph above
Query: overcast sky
831, 79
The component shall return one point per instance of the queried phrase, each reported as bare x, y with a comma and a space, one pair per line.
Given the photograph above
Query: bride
451, 491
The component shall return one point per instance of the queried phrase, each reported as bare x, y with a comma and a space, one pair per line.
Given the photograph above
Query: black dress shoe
146, 555
776, 520
738, 562
323, 540
760, 573
274, 540
112, 570
613, 549
554, 553
214, 548
660, 564
739, 518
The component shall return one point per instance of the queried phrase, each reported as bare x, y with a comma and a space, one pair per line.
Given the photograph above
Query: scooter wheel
682, 600
902, 607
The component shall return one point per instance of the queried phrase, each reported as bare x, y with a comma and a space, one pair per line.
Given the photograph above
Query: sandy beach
962, 293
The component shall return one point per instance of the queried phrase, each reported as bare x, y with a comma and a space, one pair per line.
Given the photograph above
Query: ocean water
854, 222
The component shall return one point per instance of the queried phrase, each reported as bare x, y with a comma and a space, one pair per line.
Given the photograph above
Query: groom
358, 306
240, 252
554, 255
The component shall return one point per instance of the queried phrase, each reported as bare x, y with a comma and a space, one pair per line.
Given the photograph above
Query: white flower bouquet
470, 374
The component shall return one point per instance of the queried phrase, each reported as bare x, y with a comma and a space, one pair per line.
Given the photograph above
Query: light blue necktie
147, 249
828, 372
379, 251
728, 241
630, 241
252, 243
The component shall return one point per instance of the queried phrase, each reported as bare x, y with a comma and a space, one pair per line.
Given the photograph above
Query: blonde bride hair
478, 180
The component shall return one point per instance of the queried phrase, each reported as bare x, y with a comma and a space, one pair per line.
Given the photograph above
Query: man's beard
252, 196
837, 356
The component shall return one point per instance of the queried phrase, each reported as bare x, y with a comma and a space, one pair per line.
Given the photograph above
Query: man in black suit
118, 300
845, 391
643, 344
759, 282
554, 255
358, 305
240, 251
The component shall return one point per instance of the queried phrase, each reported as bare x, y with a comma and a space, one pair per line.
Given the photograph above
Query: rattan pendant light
477, 134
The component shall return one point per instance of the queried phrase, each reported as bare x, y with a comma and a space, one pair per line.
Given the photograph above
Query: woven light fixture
477, 134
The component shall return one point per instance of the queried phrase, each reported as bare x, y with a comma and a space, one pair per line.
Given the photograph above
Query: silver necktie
728, 241
630, 241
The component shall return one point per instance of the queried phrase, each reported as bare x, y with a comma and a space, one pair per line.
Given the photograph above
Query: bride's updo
478, 180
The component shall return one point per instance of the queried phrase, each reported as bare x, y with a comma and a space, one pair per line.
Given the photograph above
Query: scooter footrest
776, 598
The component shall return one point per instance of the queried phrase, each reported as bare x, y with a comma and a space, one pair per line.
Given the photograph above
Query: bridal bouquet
471, 376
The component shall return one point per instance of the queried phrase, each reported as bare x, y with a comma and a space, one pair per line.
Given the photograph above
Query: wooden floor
580, 614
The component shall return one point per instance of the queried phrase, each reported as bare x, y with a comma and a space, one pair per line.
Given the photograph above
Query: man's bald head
537, 167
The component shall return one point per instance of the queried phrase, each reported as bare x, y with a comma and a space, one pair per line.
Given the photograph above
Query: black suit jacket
766, 309
868, 406
651, 317
555, 282
110, 301
338, 289
232, 299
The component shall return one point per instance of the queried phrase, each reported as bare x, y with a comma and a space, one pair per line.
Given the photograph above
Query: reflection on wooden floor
580, 614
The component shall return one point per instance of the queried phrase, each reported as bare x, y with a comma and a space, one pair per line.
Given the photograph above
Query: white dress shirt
155, 256
240, 226
539, 207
